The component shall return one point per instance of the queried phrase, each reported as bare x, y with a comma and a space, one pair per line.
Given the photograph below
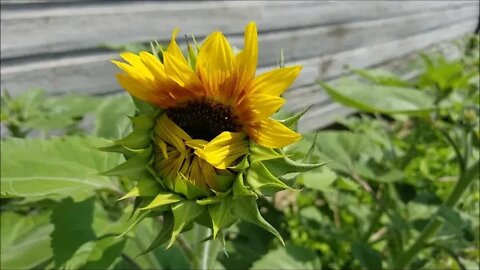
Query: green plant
400, 188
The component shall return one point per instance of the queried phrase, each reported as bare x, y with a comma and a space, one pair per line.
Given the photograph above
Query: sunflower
212, 106
203, 147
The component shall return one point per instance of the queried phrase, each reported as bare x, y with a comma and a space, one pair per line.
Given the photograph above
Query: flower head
207, 127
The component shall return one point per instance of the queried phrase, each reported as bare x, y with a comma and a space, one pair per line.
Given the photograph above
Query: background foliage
395, 174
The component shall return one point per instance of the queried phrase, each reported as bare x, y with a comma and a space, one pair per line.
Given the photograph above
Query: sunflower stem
205, 255
202, 248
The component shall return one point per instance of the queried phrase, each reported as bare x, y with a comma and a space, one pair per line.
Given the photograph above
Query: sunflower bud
203, 145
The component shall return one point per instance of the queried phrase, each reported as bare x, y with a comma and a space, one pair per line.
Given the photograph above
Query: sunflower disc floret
203, 144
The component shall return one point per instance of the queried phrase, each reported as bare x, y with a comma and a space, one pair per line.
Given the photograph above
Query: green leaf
381, 99
73, 228
111, 118
55, 168
246, 208
381, 77
184, 213
368, 258
346, 150
104, 253
25, 240
288, 257
97, 254
318, 179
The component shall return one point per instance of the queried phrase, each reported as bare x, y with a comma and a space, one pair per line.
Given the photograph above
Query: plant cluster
400, 188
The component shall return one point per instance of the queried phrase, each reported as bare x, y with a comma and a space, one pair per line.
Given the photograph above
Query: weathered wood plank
329, 66
95, 74
37, 31
327, 112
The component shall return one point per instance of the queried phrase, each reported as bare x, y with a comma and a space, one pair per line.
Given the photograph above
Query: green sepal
192, 56
218, 213
183, 186
241, 166
117, 148
140, 137
145, 187
163, 235
145, 122
140, 216
309, 156
224, 181
262, 181
204, 220
219, 196
184, 213
163, 198
293, 120
145, 108
157, 50
246, 209
154, 175
239, 189
281, 166
135, 167
260, 153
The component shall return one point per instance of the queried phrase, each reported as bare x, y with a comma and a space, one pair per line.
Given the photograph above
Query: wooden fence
57, 45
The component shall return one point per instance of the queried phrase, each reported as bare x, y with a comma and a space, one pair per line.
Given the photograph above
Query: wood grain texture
330, 66
326, 112
49, 30
93, 73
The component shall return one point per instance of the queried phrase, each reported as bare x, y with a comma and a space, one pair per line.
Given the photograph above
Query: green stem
202, 249
205, 255
434, 225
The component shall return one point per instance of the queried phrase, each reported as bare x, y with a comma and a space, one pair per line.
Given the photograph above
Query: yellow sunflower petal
272, 134
135, 61
173, 48
208, 172
133, 72
140, 89
154, 65
181, 73
215, 65
172, 134
224, 149
247, 59
259, 107
275, 82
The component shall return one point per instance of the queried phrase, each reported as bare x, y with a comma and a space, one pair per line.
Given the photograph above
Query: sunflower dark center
204, 119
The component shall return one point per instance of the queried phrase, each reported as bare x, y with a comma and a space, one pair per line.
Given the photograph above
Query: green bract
257, 174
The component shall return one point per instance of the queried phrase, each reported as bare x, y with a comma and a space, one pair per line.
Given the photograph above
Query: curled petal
271, 133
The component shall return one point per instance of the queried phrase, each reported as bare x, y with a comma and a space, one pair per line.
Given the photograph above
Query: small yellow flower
211, 110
